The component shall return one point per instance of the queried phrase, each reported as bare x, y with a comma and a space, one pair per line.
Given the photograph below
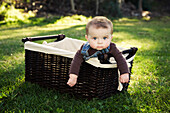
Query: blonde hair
99, 22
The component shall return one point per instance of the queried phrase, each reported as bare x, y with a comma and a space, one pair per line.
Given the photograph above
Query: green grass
149, 87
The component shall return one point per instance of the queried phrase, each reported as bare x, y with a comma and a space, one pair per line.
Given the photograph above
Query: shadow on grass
11, 76
33, 98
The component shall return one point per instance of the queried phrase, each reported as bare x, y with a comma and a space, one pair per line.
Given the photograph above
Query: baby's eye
104, 38
94, 38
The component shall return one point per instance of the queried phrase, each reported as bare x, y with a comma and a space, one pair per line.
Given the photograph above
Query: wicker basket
46, 66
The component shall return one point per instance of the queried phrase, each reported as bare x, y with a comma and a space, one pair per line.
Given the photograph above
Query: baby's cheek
92, 45
107, 45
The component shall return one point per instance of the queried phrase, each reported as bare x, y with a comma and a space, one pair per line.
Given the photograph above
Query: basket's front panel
85, 86
62, 70
107, 82
52, 71
96, 82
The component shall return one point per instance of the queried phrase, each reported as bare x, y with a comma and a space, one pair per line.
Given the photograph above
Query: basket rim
48, 49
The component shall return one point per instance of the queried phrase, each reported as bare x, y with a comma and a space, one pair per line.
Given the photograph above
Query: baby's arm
75, 67
124, 78
72, 80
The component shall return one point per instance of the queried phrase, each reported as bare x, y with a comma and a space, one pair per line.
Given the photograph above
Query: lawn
149, 86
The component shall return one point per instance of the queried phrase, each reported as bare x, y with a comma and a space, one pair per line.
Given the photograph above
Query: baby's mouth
99, 46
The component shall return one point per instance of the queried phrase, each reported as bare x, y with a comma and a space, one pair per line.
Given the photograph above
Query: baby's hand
72, 80
124, 78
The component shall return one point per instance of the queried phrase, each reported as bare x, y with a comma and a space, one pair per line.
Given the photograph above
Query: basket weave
51, 71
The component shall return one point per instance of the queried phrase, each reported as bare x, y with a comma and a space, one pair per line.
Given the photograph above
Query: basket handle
58, 38
132, 51
104, 59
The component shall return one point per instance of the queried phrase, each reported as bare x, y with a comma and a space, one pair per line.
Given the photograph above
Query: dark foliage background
88, 7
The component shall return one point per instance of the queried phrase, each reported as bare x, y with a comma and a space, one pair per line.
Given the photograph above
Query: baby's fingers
121, 80
124, 79
71, 83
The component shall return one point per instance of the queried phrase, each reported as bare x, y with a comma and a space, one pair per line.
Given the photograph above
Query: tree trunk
72, 6
140, 6
97, 7
120, 2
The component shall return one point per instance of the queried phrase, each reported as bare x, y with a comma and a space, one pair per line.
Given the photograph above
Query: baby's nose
100, 41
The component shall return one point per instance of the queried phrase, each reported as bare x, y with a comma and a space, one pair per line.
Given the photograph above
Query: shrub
9, 14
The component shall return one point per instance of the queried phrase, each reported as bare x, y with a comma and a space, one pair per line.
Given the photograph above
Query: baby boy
99, 35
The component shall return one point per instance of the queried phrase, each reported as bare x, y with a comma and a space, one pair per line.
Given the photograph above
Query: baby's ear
86, 37
111, 36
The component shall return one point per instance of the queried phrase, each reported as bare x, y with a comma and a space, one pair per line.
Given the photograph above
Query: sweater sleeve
76, 62
121, 62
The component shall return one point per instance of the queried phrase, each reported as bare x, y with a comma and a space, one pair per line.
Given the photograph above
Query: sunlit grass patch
124, 19
73, 20
129, 40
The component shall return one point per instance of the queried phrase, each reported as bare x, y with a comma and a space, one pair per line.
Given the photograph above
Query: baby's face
99, 38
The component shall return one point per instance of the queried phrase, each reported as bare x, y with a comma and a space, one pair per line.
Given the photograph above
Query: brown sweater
78, 59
